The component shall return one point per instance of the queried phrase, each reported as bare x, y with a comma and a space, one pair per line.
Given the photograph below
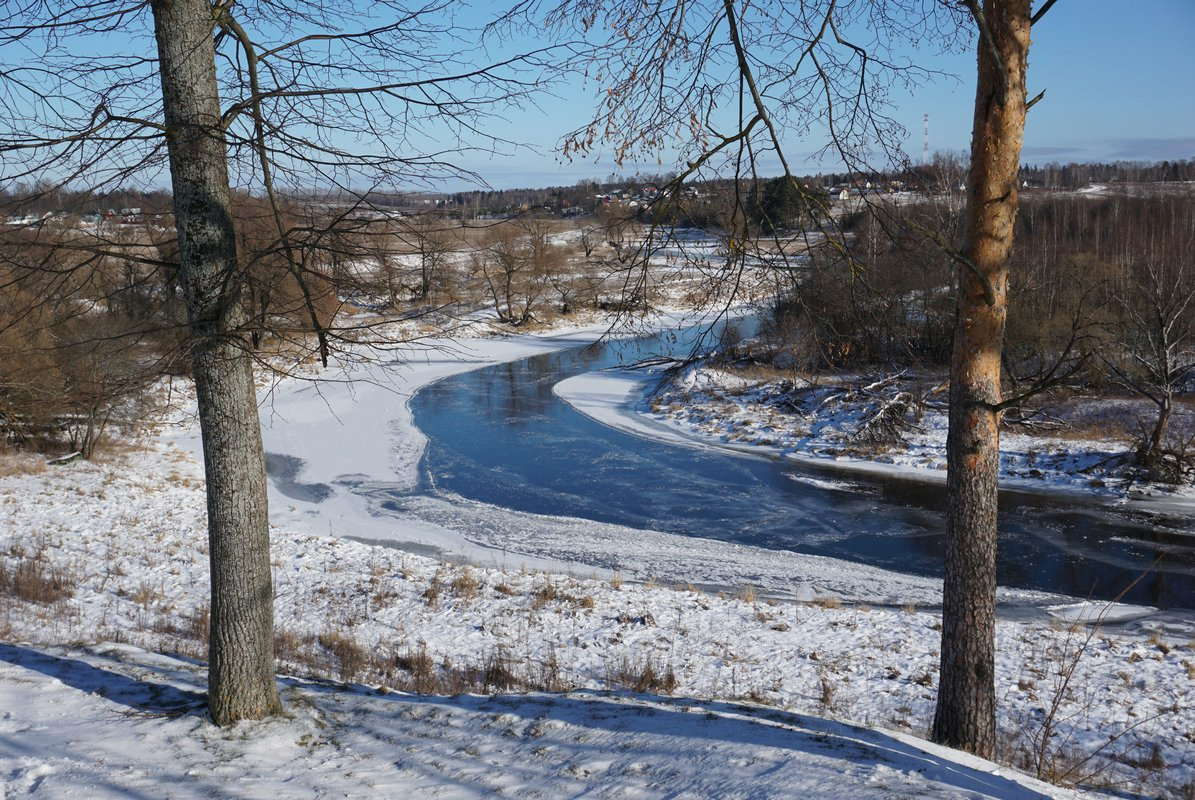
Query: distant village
634, 194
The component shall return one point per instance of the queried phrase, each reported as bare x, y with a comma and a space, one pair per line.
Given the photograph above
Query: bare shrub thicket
516, 265
1104, 301
84, 333
92, 316
887, 299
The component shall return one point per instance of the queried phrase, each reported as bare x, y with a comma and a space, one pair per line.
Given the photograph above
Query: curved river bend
498, 435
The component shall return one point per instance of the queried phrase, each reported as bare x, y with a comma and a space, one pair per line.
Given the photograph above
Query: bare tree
965, 716
241, 648
1152, 352
428, 238
579, 282
322, 103
791, 69
516, 264
587, 238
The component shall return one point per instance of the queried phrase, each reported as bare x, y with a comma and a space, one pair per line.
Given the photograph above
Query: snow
113, 721
764, 648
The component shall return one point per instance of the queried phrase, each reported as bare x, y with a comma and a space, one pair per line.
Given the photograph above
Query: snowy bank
711, 407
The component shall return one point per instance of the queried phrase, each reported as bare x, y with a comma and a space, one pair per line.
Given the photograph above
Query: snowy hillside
114, 722
93, 553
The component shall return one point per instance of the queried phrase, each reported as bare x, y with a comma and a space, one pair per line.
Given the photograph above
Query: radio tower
925, 150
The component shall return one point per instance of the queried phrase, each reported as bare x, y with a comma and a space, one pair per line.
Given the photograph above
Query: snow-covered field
104, 565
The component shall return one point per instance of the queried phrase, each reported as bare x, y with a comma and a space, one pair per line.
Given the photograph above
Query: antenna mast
925, 150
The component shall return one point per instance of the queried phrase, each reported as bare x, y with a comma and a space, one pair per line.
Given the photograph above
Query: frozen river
499, 436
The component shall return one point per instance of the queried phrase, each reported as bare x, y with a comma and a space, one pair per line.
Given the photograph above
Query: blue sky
1117, 77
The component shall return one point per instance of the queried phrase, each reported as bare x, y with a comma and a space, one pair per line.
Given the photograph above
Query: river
498, 435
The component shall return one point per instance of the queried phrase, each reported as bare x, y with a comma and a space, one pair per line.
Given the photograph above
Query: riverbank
839, 422
346, 456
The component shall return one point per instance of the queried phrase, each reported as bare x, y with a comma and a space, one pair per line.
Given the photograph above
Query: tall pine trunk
966, 710
241, 649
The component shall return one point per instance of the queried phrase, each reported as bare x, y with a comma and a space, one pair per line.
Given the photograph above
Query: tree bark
241, 649
1154, 455
966, 709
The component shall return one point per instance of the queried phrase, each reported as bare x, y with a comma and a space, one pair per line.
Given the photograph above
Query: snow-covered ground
103, 552
104, 722
128, 540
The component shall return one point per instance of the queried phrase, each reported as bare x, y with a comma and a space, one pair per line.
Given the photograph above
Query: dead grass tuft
827, 698
14, 464
643, 676
34, 580
420, 671
465, 584
351, 659
550, 592
435, 588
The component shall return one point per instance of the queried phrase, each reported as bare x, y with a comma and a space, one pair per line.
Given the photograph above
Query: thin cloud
1154, 149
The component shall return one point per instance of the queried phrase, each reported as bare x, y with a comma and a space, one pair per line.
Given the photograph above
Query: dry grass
827, 697
114, 449
465, 584
435, 588
641, 676
146, 595
34, 580
336, 654
14, 464
420, 670
1103, 430
349, 657
549, 592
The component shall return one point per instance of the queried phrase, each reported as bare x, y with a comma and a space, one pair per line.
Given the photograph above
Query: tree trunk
241, 648
1154, 454
966, 710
